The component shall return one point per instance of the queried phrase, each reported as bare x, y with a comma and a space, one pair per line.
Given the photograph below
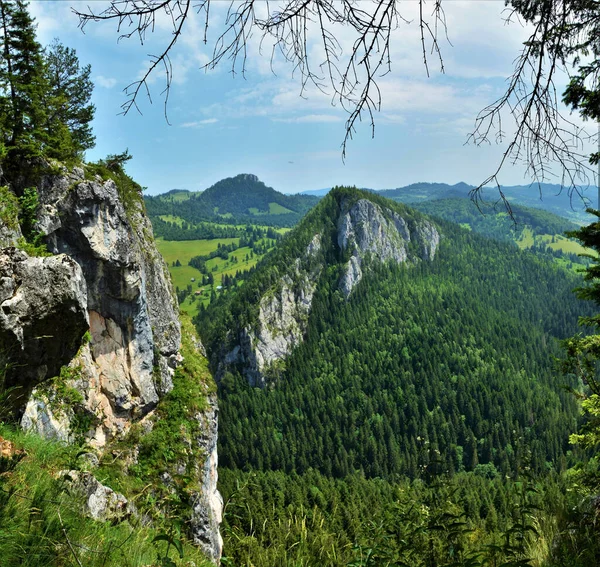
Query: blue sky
222, 125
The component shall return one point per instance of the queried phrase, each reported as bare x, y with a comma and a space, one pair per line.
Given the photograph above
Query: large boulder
43, 316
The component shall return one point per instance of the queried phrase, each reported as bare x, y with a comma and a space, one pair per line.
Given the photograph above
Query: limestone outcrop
133, 320
43, 315
282, 321
367, 229
93, 335
207, 503
97, 501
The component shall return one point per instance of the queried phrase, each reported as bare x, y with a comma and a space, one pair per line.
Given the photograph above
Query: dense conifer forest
433, 384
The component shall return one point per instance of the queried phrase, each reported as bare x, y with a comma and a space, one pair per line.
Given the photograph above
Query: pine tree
22, 78
70, 91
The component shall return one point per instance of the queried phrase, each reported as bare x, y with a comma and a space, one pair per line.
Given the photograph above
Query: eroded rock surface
98, 323
367, 229
97, 500
207, 504
282, 321
133, 320
43, 315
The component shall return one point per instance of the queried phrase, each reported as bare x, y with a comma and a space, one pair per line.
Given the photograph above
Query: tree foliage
69, 95
45, 109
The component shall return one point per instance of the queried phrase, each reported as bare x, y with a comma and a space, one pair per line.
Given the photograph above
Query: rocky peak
98, 320
365, 231
368, 229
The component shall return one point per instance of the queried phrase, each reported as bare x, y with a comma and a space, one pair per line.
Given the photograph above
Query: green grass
184, 250
567, 245
42, 523
177, 196
170, 218
527, 239
274, 209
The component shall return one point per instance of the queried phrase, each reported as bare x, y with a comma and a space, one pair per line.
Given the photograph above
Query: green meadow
554, 241
184, 275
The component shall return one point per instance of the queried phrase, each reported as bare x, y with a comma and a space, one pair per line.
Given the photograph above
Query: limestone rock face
207, 504
367, 229
40, 418
108, 280
9, 236
365, 232
98, 501
282, 321
132, 312
43, 315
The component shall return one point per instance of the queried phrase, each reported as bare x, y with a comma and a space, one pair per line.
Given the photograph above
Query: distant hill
235, 200
493, 220
548, 197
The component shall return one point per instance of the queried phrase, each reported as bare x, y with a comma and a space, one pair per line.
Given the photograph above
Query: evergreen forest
435, 385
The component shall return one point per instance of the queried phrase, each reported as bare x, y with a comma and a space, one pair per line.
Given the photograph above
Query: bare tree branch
354, 87
548, 143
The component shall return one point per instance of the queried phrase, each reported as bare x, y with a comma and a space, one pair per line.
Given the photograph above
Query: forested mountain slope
240, 199
447, 344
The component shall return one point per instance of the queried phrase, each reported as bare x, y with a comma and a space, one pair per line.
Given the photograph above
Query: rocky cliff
365, 231
282, 321
90, 336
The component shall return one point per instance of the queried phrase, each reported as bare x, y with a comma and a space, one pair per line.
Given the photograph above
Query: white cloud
310, 118
106, 82
199, 123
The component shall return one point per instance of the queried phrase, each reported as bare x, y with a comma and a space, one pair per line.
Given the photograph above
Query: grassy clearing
554, 241
565, 244
170, 218
177, 196
42, 523
274, 209
184, 250
527, 239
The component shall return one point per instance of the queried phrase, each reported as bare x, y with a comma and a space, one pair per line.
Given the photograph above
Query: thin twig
67, 538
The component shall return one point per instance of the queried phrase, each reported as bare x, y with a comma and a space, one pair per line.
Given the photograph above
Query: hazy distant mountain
547, 197
240, 199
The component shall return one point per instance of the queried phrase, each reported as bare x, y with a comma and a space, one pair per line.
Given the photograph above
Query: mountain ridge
404, 355
237, 200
